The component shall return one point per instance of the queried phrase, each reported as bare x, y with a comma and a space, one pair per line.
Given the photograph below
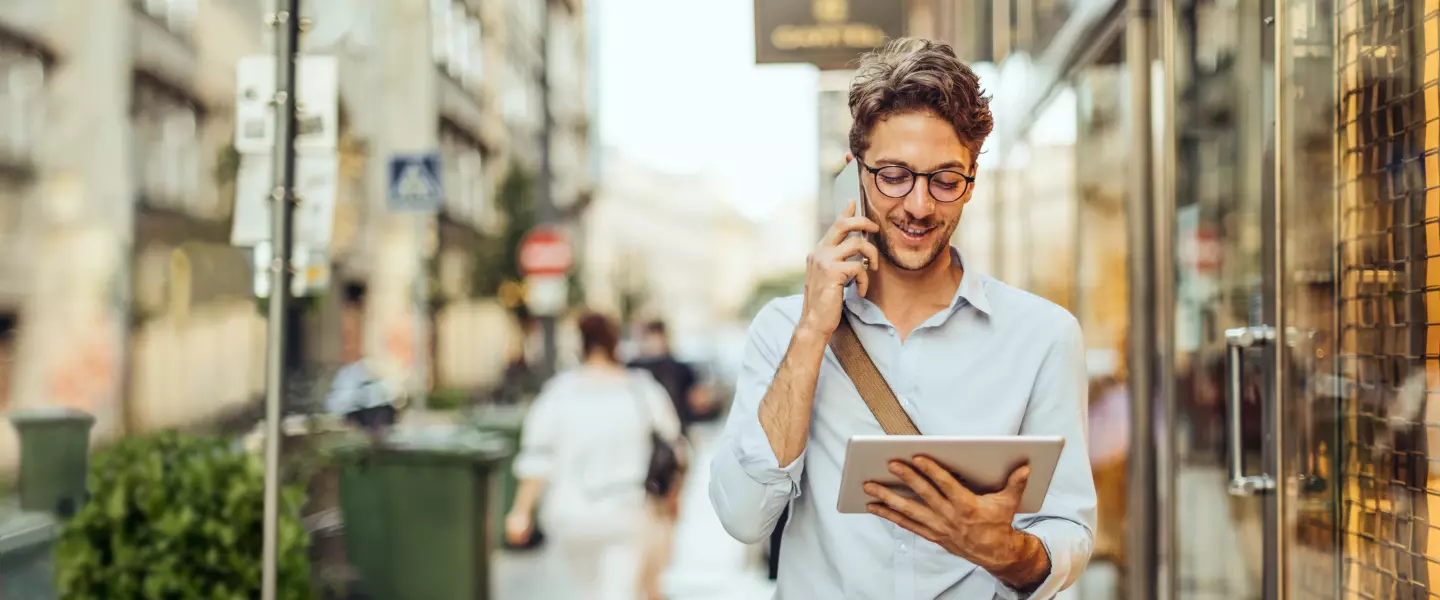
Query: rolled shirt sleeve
538, 438
1066, 522
748, 486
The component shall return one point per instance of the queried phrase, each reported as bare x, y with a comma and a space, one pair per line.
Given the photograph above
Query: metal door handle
1236, 341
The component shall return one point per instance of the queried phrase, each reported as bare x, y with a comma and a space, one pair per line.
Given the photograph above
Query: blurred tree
576, 287
227, 165
631, 287
770, 288
497, 261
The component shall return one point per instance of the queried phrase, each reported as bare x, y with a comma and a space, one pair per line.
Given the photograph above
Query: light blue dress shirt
998, 361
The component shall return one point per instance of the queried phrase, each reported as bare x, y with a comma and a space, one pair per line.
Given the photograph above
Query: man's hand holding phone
828, 270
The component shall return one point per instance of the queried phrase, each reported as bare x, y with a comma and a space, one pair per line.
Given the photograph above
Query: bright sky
679, 91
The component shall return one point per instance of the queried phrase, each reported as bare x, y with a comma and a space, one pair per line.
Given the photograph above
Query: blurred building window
457, 42
531, 13
472, 181
464, 177
565, 67
455, 61
22, 82
167, 137
517, 104
476, 53
440, 31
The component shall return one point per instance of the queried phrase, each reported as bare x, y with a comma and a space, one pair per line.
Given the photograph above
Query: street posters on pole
546, 295
317, 173
312, 270
318, 104
317, 181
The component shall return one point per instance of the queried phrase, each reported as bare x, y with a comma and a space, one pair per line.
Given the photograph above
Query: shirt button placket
904, 582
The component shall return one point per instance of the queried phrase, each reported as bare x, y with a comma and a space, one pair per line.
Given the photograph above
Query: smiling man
964, 353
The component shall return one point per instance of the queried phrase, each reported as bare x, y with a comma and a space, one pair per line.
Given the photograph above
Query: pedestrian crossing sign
415, 183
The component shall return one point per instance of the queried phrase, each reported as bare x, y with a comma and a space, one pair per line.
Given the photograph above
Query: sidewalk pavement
707, 565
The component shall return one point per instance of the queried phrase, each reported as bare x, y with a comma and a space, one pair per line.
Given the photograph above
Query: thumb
849, 156
1016, 485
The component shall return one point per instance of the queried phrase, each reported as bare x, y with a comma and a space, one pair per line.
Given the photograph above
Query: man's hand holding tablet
921, 490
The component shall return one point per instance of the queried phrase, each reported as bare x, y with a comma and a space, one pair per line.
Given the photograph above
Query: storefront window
22, 80
1047, 206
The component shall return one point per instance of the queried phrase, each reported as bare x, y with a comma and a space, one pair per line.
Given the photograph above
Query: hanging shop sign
829, 34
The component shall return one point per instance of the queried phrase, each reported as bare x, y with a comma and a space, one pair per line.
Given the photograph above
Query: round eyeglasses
895, 181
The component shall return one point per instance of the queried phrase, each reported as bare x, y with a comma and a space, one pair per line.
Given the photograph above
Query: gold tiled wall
1389, 194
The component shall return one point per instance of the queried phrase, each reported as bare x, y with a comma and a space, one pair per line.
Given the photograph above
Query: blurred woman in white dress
585, 452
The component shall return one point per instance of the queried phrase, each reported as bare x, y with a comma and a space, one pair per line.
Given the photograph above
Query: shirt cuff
533, 465
758, 459
1049, 532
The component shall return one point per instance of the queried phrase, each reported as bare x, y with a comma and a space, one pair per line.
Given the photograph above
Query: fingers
871, 252
859, 245
899, 519
862, 283
914, 510
517, 530
845, 226
1015, 487
848, 223
943, 479
852, 270
918, 484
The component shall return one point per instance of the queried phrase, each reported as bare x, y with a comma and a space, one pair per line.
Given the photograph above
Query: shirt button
904, 547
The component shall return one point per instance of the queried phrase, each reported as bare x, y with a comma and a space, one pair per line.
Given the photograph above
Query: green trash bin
27, 547
416, 513
54, 456
506, 421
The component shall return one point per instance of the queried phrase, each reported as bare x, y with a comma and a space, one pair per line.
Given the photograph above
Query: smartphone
846, 189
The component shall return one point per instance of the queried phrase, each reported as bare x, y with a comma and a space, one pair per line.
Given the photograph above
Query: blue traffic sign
414, 183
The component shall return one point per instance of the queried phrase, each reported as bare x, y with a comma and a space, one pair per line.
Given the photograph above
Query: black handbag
665, 462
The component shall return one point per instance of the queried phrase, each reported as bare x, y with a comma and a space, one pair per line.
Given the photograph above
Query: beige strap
868, 380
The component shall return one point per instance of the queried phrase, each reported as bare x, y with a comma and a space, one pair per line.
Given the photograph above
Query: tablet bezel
983, 463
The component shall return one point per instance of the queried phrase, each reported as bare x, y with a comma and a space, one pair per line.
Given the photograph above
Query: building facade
119, 179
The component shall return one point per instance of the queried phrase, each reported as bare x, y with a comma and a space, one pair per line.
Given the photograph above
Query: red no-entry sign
545, 251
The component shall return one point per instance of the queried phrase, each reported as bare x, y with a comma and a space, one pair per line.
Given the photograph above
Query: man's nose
919, 204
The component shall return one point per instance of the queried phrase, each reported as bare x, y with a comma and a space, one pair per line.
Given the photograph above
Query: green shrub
448, 400
173, 516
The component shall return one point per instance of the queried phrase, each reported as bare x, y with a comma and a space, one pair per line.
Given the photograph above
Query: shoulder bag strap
637, 391
868, 380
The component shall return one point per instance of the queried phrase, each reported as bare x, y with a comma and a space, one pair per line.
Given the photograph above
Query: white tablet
982, 463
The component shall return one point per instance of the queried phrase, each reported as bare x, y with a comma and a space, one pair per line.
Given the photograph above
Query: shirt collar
972, 286
971, 291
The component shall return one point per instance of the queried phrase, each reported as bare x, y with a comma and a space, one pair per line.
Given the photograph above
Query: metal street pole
545, 211
286, 22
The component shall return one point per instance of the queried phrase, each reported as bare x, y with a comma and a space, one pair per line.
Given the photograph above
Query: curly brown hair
913, 74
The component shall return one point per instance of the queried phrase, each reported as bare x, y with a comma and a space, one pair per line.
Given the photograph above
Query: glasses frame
915, 176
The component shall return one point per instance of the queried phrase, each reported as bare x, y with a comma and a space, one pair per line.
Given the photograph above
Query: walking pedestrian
586, 448
689, 397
